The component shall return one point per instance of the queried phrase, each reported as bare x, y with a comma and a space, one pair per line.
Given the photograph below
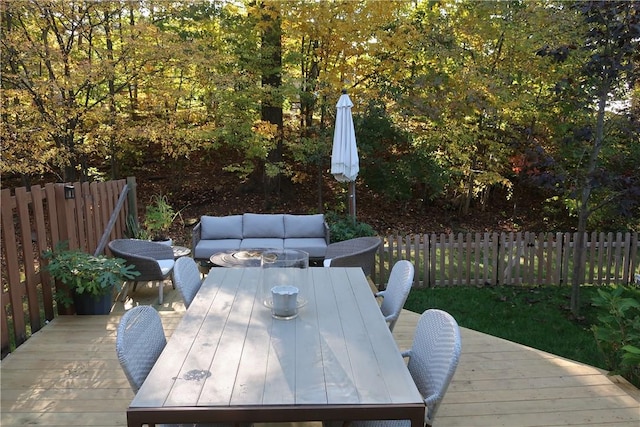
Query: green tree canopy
456, 99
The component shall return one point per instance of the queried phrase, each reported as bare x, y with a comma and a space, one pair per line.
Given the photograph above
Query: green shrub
344, 228
618, 330
158, 217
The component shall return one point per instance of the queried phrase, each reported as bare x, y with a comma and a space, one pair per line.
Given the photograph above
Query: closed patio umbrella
344, 156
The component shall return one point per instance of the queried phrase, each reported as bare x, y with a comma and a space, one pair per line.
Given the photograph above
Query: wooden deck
68, 375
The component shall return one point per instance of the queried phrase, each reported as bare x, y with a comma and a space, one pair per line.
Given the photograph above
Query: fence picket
590, 274
502, 262
505, 270
52, 212
616, 256
451, 262
474, 245
432, 263
13, 289
38, 198
610, 258
468, 248
79, 217
527, 254
460, 257
557, 270
87, 211
625, 256
425, 265
22, 209
417, 259
599, 245
540, 247
534, 262
440, 278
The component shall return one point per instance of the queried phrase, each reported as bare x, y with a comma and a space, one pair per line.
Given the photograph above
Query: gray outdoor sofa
213, 234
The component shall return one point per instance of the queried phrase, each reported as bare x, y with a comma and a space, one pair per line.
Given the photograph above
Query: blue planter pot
89, 304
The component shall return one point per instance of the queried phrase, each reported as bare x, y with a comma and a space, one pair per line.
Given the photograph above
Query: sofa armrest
195, 236
327, 233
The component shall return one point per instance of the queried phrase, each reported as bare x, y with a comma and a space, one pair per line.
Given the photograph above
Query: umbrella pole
352, 200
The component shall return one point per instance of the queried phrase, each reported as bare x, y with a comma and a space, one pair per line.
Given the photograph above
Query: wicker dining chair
154, 261
396, 292
139, 341
358, 252
187, 278
433, 359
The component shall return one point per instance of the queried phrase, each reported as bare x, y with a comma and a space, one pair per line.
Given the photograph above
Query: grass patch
538, 317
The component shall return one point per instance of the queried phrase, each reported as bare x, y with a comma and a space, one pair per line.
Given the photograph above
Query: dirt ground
197, 189
199, 186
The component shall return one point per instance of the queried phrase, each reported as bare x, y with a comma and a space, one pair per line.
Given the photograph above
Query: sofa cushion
262, 225
166, 265
205, 248
261, 243
221, 227
314, 246
303, 226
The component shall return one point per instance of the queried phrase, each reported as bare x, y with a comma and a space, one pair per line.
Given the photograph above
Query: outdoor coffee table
180, 251
230, 361
237, 258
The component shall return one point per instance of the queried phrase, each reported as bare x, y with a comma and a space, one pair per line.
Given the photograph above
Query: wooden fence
34, 221
37, 219
480, 259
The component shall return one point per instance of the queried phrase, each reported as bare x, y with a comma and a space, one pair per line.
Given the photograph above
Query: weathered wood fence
36, 219
523, 258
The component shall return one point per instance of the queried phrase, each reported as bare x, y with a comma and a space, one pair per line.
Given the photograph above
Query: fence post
66, 223
133, 198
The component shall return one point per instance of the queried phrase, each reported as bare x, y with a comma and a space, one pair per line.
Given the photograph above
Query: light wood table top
230, 361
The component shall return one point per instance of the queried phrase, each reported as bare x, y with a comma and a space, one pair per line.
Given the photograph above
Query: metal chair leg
124, 291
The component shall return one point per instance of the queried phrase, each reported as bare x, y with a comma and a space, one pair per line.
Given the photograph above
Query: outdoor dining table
230, 361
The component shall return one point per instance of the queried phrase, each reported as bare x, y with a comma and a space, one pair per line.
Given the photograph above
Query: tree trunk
584, 210
113, 147
271, 82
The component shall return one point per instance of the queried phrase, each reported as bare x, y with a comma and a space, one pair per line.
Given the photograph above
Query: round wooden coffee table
238, 258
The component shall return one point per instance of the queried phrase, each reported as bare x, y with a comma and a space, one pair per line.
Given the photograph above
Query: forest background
468, 114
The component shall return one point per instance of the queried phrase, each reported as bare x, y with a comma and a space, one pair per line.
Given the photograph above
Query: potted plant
159, 216
134, 230
88, 280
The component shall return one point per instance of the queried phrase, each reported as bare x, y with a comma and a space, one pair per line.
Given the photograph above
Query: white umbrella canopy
344, 156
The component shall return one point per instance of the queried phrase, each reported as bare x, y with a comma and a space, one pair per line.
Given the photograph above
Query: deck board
67, 374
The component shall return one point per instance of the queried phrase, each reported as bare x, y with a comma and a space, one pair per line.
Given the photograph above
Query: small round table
237, 258
180, 251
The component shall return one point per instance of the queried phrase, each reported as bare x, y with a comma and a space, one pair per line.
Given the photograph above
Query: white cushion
262, 225
221, 227
304, 225
166, 265
205, 248
262, 243
316, 247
